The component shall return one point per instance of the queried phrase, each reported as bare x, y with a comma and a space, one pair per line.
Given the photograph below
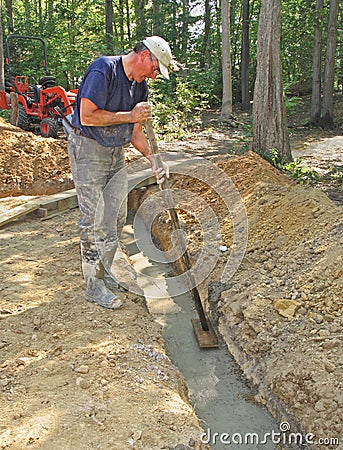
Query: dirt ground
73, 375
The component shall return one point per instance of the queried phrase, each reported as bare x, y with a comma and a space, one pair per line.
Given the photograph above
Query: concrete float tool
202, 327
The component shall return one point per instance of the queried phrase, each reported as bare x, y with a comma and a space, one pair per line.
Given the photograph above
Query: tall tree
9, 13
207, 28
109, 25
120, 17
28, 14
2, 68
184, 26
156, 25
245, 57
269, 110
317, 64
226, 110
51, 23
326, 120
40, 14
128, 21
140, 19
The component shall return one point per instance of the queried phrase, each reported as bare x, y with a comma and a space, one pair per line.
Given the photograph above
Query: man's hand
141, 112
161, 173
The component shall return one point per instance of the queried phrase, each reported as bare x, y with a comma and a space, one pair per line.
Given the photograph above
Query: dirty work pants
100, 180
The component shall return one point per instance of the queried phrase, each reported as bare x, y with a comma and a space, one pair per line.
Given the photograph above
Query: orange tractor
37, 102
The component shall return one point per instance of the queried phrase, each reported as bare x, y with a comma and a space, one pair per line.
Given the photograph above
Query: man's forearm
103, 118
92, 116
140, 142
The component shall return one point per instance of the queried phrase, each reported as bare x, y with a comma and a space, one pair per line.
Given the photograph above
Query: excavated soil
30, 164
73, 375
281, 313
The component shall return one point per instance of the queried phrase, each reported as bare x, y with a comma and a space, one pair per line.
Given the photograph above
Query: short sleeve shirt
107, 86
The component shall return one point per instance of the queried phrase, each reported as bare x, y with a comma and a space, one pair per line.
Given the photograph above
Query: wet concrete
221, 396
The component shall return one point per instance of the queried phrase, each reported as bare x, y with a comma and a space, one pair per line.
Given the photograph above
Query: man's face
148, 67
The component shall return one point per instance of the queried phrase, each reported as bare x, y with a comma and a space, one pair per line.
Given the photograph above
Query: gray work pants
100, 180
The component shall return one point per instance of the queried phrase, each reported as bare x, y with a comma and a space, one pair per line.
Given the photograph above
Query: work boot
113, 284
96, 291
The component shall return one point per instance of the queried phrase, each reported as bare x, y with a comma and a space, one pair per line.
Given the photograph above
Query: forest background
76, 32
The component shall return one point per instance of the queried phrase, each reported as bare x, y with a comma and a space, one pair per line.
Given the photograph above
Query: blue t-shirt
107, 86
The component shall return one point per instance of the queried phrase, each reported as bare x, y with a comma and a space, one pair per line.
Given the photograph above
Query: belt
81, 133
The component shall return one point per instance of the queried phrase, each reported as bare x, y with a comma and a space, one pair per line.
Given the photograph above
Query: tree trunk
50, 19
317, 64
14, 109
2, 66
109, 26
140, 19
226, 111
121, 15
9, 12
156, 26
27, 8
71, 23
184, 28
128, 22
207, 28
245, 57
269, 110
40, 14
174, 26
326, 120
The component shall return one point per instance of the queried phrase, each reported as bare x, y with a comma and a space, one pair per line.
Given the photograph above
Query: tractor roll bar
17, 36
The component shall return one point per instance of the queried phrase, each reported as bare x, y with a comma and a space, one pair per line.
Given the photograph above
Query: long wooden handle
176, 224
153, 143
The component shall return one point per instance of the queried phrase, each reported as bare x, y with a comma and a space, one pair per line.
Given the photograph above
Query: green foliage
296, 169
292, 104
5, 114
300, 172
298, 18
272, 156
207, 82
74, 31
335, 175
176, 105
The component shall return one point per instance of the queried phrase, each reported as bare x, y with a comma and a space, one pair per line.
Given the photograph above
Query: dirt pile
281, 314
285, 307
73, 374
30, 164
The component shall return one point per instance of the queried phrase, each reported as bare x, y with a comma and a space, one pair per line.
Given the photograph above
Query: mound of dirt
73, 374
281, 313
285, 306
30, 164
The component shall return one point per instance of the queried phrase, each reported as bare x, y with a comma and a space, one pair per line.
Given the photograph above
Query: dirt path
73, 375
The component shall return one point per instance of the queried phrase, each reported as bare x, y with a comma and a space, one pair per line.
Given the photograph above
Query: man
111, 108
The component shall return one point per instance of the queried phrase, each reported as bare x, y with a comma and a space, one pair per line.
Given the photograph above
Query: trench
218, 391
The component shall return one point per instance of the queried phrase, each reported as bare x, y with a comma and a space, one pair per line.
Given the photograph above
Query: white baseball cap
161, 50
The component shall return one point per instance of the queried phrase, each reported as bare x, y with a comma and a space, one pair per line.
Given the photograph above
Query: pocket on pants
74, 147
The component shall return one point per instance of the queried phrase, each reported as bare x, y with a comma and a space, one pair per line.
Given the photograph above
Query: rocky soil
30, 164
281, 313
75, 375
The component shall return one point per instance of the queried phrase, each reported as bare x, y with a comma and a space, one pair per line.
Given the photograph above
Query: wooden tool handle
176, 225
153, 143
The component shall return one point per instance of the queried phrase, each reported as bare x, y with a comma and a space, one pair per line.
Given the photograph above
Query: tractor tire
23, 119
49, 127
